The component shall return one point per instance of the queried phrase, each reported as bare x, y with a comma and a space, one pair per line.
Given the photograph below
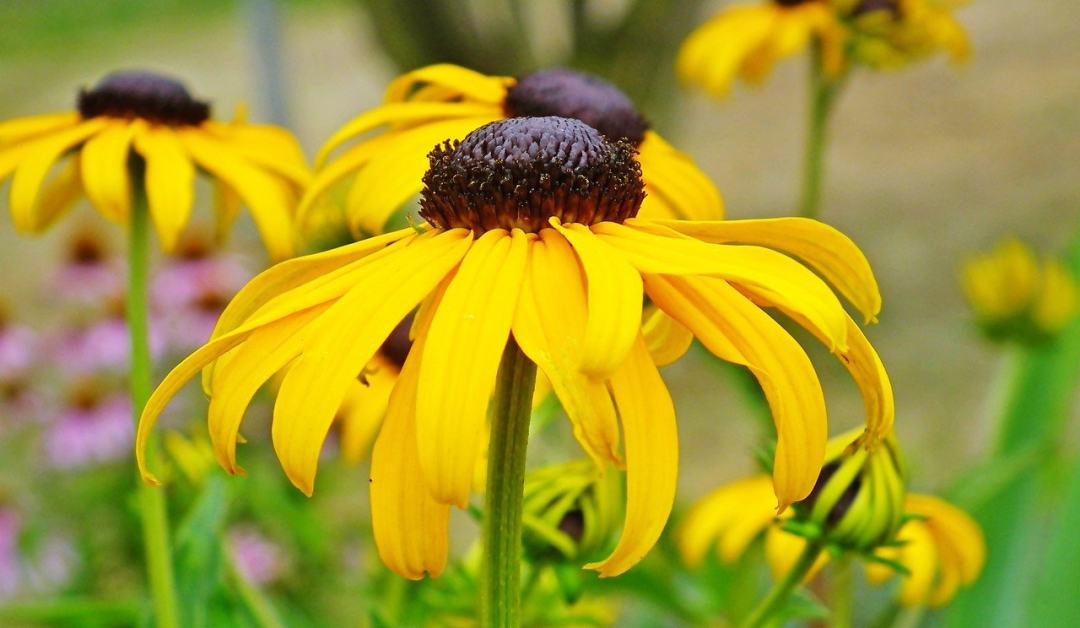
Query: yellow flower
172, 133
748, 39
531, 235
1016, 296
437, 102
892, 33
941, 547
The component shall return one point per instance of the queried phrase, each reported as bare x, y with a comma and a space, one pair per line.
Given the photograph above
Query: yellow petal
823, 248
549, 326
345, 338
249, 366
105, 171
614, 302
60, 193
713, 516
410, 527
711, 55
472, 85
772, 276
22, 129
364, 408
403, 113
170, 181
268, 198
776, 359
34, 160
667, 339
921, 559
782, 549
954, 526
267, 146
652, 458
461, 358
675, 177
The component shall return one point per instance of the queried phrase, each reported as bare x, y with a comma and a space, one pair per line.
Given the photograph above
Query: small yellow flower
156, 119
941, 547
531, 235
426, 106
748, 39
1018, 297
892, 33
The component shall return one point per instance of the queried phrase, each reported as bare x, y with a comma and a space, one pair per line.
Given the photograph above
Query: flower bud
571, 511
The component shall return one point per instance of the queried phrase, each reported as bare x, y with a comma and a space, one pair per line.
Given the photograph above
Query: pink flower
257, 558
18, 351
91, 430
192, 292
88, 274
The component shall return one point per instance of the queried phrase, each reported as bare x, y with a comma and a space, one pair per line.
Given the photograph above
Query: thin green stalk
842, 589
252, 596
823, 92
767, 609
501, 586
151, 501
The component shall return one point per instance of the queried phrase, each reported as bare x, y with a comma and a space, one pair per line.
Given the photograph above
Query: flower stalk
765, 612
500, 595
823, 91
151, 500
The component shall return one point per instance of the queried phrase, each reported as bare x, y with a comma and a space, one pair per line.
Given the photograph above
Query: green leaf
199, 557
1055, 601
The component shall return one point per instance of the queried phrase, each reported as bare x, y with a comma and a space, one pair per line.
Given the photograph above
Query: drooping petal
269, 147
673, 175
713, 515
22, 129
782, 549
957, 527
712, 54
410, 527
31, 162
345, 338
468, 83
269, 199
776, 278
781, 366
667, 339
170, 181
652, 458
105, 172
549, 326
364, 408
823, 248
60, 193
461, 359
920, 557
615, 298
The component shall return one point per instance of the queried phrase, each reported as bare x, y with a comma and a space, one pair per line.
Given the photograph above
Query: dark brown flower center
518, 173
567, 94
791, 3
136, 94
86, 249
397, 345
869, 6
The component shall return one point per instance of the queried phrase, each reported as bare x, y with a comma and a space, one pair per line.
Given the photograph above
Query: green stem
843, 581
823, 92
500, 593
764, 612
151, 500
252, 596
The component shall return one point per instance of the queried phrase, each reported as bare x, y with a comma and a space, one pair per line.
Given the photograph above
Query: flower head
555, 260
427, 106
940, 546
88, 273
155, 119
747, 40
893, 33
93, 428
1018, 297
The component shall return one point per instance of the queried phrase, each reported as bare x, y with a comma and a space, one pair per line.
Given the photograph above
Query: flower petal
673, 175
364, 408
652, 458
667, 339
267, 146
468, 83
22, 129
549, 326
615, 301
105, 171
823, 248
776, 359
460, 361
712, 516
61, 192
170, 181
345, 338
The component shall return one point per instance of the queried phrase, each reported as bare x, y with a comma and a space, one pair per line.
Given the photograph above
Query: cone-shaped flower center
568, 94
790, 3
520, 172
135, 94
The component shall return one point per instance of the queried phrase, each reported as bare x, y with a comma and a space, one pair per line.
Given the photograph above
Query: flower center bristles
136, 94
568, 94
518, 173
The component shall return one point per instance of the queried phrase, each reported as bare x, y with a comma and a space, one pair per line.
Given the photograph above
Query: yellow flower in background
427, 106
892, 33
941, 547
156, 119
857, 504
1016, 296
531, 234
747, 40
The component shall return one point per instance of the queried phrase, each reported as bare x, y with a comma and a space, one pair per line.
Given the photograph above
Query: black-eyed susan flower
746, 40
940, 546
1017, 296
532, 234
154, 118
426, 106
892, 33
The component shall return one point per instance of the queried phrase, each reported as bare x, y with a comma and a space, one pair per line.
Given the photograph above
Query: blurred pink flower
192, 291
91, 429
103, 345
258, 559
88, 273
18, 351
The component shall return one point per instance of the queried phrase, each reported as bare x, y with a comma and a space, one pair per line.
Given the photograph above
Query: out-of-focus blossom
102, 345
19, 354
88, 273
47, 568
257, 558
887, 34
1017, 296
92, 428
